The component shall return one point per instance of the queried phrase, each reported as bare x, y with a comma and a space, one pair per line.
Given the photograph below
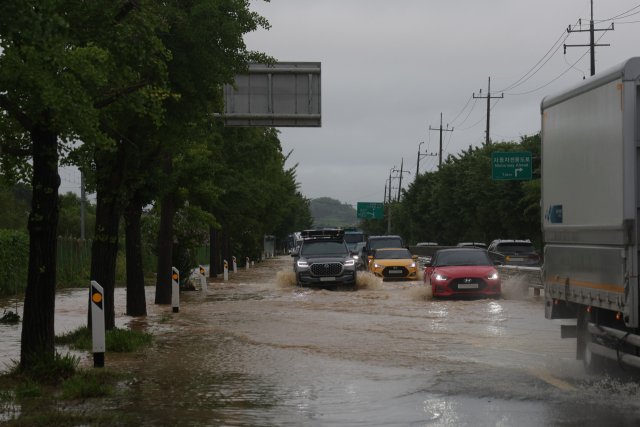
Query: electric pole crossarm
592, 45
569, 30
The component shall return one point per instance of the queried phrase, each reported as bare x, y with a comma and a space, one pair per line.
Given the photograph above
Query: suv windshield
400, 254
451, 258
386, 243
360, 246
324, 248
353, 238
516, 247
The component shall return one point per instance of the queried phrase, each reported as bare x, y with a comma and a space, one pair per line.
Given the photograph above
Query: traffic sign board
511, 166
370, 210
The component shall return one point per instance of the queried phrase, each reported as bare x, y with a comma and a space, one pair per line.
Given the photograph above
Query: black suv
382, 242
516, 252
324, 260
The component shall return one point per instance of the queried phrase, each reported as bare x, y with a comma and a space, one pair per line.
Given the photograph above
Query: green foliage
14, 261
28, 389
87, 384
14, 213
45, 367
69, 223
9, 317
331, 212
5, 396
71, 337
116, 340
460, 202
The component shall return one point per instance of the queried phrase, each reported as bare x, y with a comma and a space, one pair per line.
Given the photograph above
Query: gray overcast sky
390, 67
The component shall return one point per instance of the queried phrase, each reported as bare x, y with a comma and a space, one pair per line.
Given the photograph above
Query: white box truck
590, 201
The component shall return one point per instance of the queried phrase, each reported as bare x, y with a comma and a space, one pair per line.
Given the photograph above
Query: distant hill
330, 212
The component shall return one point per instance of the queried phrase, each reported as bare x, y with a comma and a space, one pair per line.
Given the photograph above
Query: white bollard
247, 264
97, 324
203, 280
262, 256
175, 291
226, 270
235, 266
251, 263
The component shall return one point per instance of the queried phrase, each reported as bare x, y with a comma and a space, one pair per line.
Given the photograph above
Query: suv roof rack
320, 234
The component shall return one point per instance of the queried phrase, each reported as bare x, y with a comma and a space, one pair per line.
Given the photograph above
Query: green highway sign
511, 166
370, 210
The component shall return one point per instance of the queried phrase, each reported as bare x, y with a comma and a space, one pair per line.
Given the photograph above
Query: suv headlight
376, 265
412, 265
493, 276
349, 263
440, 277
303, 264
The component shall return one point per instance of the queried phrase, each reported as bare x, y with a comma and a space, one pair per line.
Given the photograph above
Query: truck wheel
593, 363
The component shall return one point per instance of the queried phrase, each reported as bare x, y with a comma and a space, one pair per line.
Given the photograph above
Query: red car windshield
459, 258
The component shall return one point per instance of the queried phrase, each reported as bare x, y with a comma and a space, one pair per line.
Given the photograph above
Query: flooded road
256, 351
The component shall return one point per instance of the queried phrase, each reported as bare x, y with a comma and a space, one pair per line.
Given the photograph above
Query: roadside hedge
14, 261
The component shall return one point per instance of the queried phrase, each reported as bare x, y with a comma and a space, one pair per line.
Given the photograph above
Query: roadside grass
116, 341
164, 319
90, 383
28, 388
44, 367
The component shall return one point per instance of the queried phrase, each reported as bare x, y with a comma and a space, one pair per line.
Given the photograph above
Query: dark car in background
382, 242
323, 260
361, 260
516, 252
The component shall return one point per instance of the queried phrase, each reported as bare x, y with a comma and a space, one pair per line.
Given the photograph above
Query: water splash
285, 279
515, 287
366, 280
419, 293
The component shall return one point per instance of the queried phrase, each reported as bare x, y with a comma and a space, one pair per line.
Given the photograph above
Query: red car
462, 272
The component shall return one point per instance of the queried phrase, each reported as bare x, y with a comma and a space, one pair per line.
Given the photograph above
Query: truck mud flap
614, 338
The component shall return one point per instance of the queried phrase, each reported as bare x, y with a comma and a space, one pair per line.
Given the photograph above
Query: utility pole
82, 201
489, 97
421, 156
592, 45
400, 186
389, 204
441, 130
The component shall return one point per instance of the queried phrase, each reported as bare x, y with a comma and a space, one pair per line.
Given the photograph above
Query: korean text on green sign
370, 210
511, 166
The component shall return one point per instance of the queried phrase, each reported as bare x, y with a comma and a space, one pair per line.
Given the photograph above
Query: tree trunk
40, 297
165, 240
104, 251
136, 301
214, 254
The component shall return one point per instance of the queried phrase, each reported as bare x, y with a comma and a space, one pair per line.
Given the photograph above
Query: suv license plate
516, 259
468, 286
395, 271
327, 279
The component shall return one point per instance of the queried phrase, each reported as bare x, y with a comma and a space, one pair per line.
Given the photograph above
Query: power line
481, 118
465, 106
441, 130
565, 72
620, 15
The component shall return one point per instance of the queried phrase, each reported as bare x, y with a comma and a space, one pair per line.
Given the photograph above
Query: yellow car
393, 264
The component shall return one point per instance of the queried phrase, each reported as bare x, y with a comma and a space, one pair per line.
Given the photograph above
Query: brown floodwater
258, 351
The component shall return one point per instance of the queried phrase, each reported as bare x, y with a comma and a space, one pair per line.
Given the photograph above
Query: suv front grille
326, 269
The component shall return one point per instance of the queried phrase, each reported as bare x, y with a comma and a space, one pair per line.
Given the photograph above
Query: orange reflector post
175, 277
201, 271
96, 297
